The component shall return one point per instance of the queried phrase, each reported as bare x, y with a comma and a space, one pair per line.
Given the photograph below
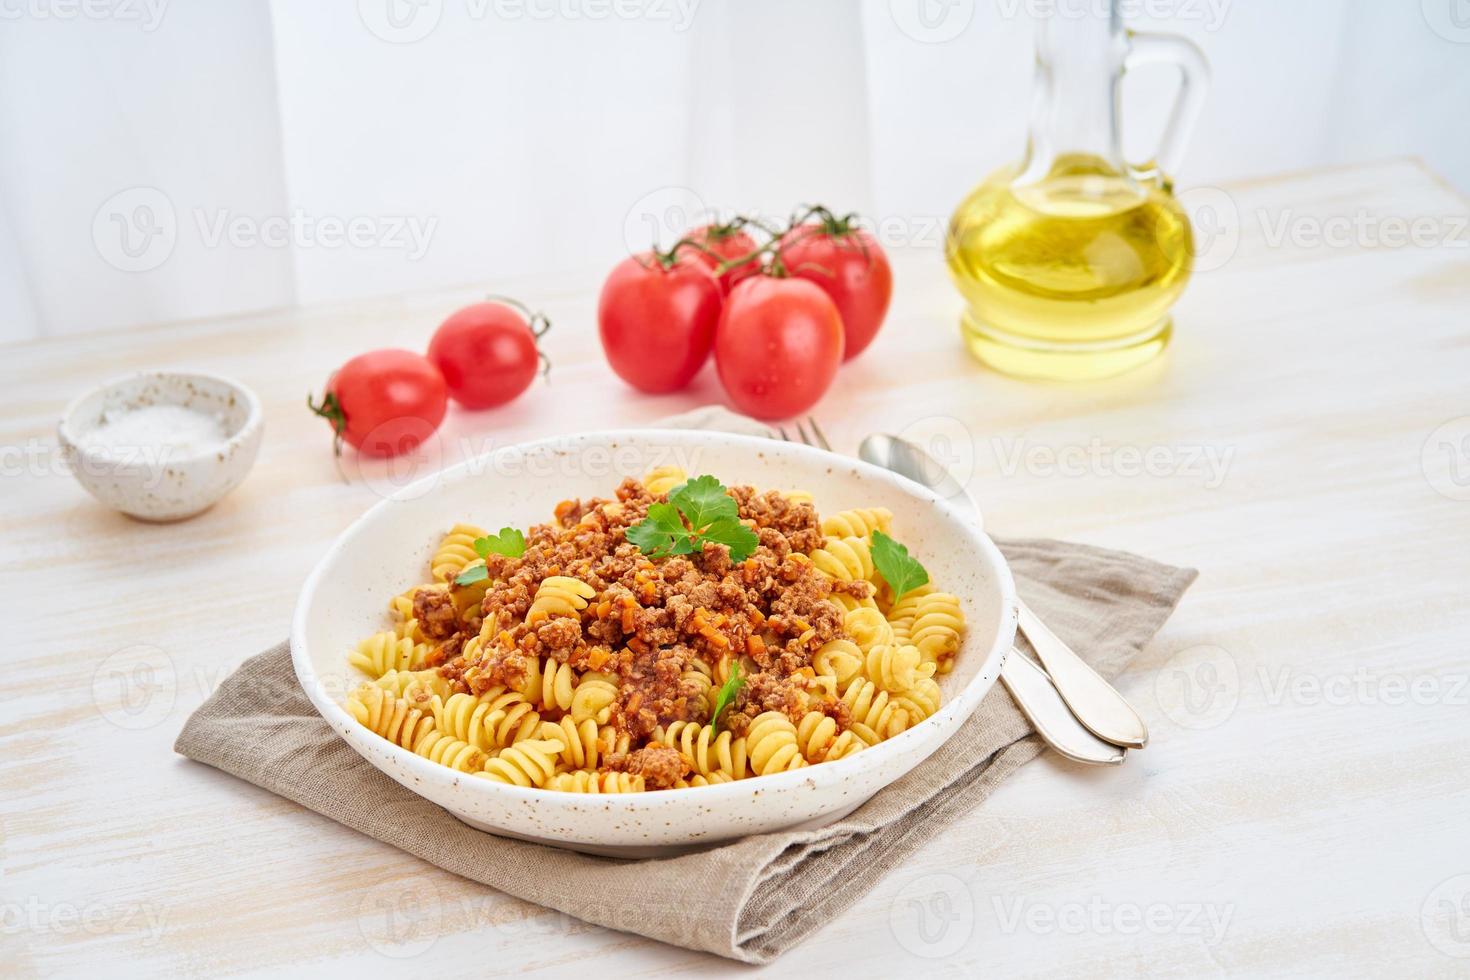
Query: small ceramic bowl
149, 482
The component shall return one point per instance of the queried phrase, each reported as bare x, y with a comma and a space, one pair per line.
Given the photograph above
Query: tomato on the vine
487, 353
384, 402
849, 265
778, 346
727, 242
656, 317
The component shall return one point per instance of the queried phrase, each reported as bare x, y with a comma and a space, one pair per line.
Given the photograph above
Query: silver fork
1032, 688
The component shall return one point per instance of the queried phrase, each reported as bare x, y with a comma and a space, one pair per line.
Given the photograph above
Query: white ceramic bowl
163, 486
387, 550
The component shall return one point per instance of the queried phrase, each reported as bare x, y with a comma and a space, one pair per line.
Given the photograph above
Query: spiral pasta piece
771, 746
455, 551
896, 668
874, 717
559, 595
820, 739
450, 751
661, 479
583, 781
857, 523
920, 701
549, 684
463, 716
934, 623
528, 763
583, 744
799, 496
593, 698
511, 717
867, 627
719, 758
839, 659
390, 717
415, 685
845, 559
387, 651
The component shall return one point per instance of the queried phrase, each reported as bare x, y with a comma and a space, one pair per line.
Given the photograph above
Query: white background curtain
166, 160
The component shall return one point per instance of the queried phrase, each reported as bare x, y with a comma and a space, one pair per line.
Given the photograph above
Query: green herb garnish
902, 572
731, 687
508, 542
711, 515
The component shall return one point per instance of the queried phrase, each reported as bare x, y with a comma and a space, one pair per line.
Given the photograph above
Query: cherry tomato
849, 264
726, 241
384, 402
657, 317
487, 353
778, 346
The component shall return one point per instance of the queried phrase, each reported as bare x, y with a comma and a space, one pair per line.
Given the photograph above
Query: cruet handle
1146, 48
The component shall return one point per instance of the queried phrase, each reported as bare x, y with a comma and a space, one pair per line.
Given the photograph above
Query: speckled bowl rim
964, 703
67, 433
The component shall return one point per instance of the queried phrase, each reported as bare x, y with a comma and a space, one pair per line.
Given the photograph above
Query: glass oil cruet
1071, 261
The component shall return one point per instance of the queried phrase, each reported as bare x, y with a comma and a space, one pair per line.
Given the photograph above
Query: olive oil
1071, 275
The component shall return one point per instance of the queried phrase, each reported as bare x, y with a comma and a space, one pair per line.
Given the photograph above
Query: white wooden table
1304, 804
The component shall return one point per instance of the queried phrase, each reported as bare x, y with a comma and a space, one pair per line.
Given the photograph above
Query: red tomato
849, 264
727, 241
487, 353
778, 346
384, 402
657, 318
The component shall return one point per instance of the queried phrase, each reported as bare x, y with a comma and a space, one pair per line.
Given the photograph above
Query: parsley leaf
902, 572
704, 501
475, 573
661, 533
508, 542
711, 515
731, 687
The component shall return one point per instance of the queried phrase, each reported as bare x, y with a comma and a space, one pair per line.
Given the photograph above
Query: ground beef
660, 766
659, 624
434, 609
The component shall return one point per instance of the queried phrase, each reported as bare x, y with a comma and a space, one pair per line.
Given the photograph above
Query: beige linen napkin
749, 900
